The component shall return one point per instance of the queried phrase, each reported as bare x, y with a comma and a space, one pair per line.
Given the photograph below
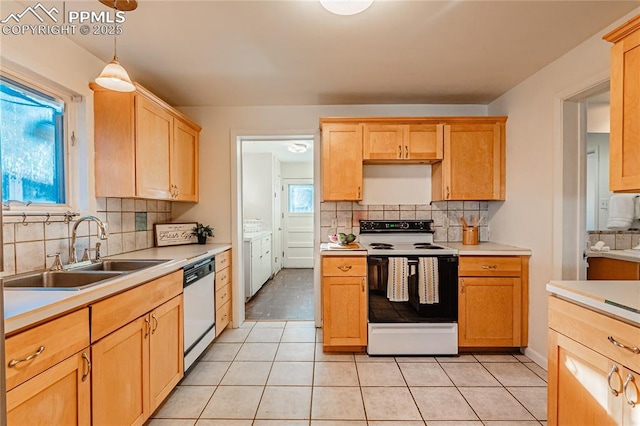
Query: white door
277, 218
298, 223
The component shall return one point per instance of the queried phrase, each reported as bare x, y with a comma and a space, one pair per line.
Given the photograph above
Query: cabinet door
120, 394
602, 268
58, 396
579, 389
184, 162
424, 141
266, 259
166, 354
489, 311
344, 311
256, 265
625, 110
473, 164
341, 162
383, 142
154, 127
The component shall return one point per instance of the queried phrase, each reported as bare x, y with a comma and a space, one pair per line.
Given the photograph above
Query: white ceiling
296, 53
280, 149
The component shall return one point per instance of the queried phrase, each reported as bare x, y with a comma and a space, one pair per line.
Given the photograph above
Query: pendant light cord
115, 33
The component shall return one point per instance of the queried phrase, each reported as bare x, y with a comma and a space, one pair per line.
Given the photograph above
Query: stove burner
381, 245
427, 246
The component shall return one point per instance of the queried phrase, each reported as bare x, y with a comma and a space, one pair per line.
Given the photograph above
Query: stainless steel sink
59, 280
119, 265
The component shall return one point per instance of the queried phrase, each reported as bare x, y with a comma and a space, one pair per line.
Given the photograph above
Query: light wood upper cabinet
625, 107
154, 126
473, 167
143, 147
492, 301
341, 162
344, 302
402, 143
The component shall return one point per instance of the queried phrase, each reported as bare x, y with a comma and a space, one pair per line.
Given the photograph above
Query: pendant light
114, 76
346, 7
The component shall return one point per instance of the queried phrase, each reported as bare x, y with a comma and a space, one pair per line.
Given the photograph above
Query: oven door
382, 310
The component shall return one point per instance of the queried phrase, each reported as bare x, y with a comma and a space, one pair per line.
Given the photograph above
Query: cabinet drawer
499, 266
593, 330
223, 316
223, 260
55, 340
223, 295
348, 266
110, 314
223, 278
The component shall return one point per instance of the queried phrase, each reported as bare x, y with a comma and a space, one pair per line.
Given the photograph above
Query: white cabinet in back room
257, 261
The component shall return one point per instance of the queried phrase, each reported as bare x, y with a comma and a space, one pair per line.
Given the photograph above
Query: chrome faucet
102, 234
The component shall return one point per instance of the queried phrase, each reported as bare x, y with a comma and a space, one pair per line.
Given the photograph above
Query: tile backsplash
345, 216
129, 222
616, 240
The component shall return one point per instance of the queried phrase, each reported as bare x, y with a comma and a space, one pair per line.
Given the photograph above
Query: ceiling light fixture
297, 147
346, 7
114, 76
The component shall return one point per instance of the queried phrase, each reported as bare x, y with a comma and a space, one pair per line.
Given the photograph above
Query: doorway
277, 198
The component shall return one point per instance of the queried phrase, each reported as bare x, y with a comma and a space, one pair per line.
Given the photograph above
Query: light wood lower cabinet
602, 268
60, 395
344, 302
591, 381
223, 291
493, 301
135, 367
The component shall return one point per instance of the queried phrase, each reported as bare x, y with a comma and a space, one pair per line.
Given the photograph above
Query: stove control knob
404, 225
420, 225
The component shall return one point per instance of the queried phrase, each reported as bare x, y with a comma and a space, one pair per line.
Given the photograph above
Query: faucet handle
57, 264
85, 255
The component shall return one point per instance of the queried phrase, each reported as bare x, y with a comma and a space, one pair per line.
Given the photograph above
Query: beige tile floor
275, 373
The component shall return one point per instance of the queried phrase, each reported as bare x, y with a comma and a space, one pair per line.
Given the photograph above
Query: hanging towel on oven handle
428, 280
398, 280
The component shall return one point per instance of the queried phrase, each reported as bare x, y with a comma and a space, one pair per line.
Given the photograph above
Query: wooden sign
173, 234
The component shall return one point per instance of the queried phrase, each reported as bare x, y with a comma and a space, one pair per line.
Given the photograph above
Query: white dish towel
428, 280
622, 211
398, 281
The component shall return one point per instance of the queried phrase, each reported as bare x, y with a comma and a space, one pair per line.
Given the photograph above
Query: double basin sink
82, 276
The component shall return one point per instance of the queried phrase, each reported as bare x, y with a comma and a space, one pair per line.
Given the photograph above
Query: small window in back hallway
300, 198
32, 144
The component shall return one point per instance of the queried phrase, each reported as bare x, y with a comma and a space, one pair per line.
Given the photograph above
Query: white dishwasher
199, 309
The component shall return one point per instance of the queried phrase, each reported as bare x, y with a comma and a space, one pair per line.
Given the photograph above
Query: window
32, 144
300, 198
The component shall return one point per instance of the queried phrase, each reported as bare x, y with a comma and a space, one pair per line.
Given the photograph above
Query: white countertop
250, 236
487, 249
326, 250
23, 308
628, 255
618, 298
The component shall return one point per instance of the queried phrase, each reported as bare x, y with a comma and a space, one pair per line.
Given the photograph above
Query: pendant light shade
115, 77
346, 7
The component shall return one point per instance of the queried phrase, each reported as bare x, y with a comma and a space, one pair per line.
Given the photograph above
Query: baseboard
535, 357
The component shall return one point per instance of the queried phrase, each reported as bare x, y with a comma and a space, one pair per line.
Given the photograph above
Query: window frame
40, 84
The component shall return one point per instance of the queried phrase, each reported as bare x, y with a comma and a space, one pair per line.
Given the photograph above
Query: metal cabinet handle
363, 285
461, 285
344, 268
147, 327
88, 370
624, 391
15, 362
155, 325
399, 151
447, 197
489, 266
406, 151
614, 369
359, 192
633, 349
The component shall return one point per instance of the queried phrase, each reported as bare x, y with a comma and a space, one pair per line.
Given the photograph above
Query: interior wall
531, 216
300, 170
257, 201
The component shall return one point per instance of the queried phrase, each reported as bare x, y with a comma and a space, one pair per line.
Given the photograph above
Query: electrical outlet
604, 203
